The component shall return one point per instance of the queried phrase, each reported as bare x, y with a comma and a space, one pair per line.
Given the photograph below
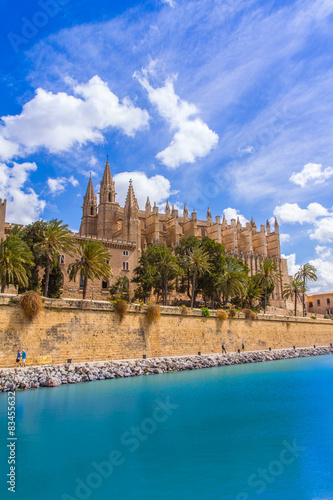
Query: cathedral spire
131, 200
167, 209
148, 205
185, 213
90, 193
209, 216
107, 191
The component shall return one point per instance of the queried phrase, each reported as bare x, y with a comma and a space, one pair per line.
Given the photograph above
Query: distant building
320, 303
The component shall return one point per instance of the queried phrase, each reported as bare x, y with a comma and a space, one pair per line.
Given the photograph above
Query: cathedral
127, 231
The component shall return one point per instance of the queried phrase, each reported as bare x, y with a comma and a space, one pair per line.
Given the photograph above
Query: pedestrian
224, 349
243, 346
24, 357
18, 357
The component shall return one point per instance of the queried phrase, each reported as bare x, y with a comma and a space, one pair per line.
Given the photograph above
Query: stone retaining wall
92, 331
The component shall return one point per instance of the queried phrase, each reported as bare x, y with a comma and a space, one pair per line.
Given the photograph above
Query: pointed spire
167, 209
107, 189
209, 216
185, 213
268, 227
90, 193
238, 222
194, 215
131, 200
253, 223
276, 225
155, 208
148, 205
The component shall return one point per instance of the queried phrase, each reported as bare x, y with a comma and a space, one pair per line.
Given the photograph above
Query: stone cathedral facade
127, 231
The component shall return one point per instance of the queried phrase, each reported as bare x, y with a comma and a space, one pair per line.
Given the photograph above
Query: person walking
243, 346
24, 357
18, 358
224, 351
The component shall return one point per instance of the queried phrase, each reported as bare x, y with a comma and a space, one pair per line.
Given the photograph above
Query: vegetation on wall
31, 303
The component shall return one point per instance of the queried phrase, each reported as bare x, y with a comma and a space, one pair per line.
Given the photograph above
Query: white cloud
59, 121
323, 230
292, 213
158, 188
324, 269
324, 266
23, 205
58, 185
291, 261
284, 237
232, 213
312, 172
172, 3
192, 138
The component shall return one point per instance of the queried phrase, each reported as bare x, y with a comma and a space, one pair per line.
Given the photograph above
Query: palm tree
198, 262
15, 256
167, 264
267, 276
253, 293
306, 273
91, 263
232, 281
56, 239
294, 289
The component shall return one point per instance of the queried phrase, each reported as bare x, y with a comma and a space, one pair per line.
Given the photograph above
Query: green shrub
222, 315
31, 303
205, 312
153, 312
121, 307
232, 313
313, 317
249, 314
184, 310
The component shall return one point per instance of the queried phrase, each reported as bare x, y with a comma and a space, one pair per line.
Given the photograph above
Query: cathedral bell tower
131, 222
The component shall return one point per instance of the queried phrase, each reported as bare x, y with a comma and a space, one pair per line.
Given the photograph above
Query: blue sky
226, 104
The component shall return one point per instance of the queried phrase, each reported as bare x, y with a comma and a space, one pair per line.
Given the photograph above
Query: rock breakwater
33, 377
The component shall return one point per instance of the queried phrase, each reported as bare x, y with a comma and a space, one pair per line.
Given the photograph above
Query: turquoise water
259, 431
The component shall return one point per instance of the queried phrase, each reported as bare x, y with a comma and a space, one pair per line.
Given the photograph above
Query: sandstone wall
91, 331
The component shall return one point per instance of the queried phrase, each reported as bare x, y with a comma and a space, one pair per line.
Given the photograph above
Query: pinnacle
131, 200
107, 177
90, 193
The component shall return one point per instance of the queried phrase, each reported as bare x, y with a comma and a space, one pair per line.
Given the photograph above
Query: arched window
109, 196
203, 232
62, 259
91, 210
164, 228
105, 284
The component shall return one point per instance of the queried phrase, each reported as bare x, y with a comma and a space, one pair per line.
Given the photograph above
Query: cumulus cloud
324, 265
292, 213
291, 262
323, 230
23, 204
158, 188
192, 138
233, 213
58, 185
284, 237
59, 121
312, 172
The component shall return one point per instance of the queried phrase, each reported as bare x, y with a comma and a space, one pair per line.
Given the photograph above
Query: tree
33, 235
307, 272
198, 263
120, 289
232, 282
186, 245
252, 294
55, 281
91, 263
156, 271
14, 257
56, 239
267, 276
294, 289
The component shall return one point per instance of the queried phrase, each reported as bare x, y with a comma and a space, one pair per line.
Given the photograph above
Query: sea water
255, 431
